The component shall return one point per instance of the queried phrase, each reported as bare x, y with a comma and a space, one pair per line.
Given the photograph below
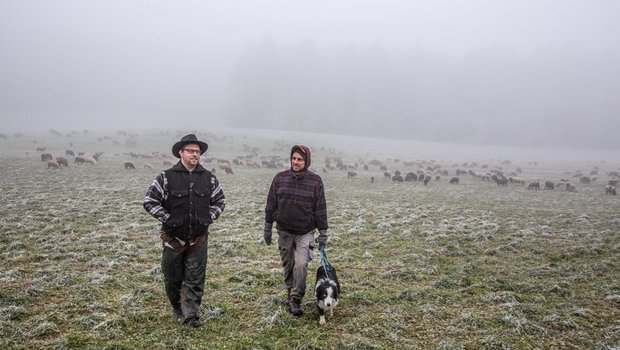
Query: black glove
322, 239
267, 233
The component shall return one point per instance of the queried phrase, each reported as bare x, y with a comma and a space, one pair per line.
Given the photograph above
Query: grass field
467, 266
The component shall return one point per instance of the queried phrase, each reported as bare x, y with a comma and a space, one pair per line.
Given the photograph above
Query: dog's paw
322, 320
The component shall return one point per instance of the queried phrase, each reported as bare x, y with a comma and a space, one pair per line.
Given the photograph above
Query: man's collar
298, 174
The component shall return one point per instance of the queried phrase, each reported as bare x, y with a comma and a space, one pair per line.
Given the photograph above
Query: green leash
324, 261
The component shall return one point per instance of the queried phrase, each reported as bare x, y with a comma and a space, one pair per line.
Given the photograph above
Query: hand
322, 239
267, 233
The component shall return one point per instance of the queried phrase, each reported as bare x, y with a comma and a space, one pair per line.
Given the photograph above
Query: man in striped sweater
296, 202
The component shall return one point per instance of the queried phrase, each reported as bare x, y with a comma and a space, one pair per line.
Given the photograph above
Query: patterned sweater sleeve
320, 207
272, 202
218, 201
155, 196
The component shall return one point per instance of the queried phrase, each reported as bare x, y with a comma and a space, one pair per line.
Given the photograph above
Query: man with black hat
296, 202
186, 198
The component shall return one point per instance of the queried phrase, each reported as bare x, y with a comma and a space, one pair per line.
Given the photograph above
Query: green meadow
442, 266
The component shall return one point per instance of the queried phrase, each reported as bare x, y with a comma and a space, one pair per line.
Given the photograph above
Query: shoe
194, 322
295, 307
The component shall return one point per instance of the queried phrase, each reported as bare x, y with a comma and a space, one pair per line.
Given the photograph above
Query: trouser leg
172, 268
195, 265
303, 255
286, 245
296, 253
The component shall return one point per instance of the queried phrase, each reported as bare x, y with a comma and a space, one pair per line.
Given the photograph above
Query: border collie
327, 289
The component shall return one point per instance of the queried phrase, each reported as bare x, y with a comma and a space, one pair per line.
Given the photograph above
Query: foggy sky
515, 72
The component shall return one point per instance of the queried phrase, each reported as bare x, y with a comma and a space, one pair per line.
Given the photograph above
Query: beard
297, 173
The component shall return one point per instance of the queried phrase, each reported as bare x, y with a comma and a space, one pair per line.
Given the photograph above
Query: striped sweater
297, 203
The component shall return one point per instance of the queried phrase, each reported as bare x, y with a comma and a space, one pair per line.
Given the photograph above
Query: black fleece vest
189, 200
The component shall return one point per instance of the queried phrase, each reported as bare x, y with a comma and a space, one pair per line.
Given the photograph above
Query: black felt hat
189, 138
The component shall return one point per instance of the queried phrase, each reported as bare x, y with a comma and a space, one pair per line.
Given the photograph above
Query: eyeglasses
191, 151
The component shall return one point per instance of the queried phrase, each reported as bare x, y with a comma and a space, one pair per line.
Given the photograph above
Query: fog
517, 73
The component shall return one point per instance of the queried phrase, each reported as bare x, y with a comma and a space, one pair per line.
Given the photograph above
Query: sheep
130, 165
612, 182
351, 174
427, 178
85, 160
534, 185
97, 155
460, 172
253, 164
549, 185
62, 161
570, 187
144, 155
502, 181
69, 153
52, 164
46, 157
610, 190
387, 175
340, 164
148, 166
585, 180
454, 180
269, 164
228, 170
410, 176
397, 178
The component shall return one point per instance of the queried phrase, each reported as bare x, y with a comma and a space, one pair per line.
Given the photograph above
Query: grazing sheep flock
502, 173
436, 251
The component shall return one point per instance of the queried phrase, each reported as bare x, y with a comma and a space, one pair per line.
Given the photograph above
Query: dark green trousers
184, 269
